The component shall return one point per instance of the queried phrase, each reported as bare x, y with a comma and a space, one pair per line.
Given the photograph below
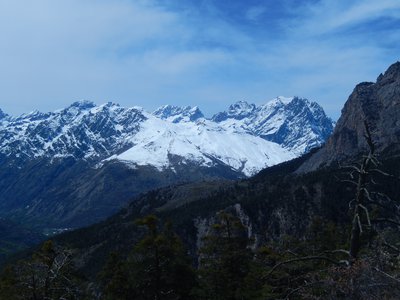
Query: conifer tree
8, 284
157, 268
225, 260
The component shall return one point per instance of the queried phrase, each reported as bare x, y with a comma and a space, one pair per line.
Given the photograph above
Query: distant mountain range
78, 165
246, 138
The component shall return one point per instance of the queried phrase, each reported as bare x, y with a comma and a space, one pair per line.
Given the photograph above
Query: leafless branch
366, 213
302, 287
357, 217
391, 247
386, 220
387, 275
305, 258
381, 172
349, 181
358, 170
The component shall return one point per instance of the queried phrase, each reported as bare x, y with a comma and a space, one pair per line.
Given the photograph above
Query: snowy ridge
3, 116
296, 124
82, 130
246, 138
176, 114
204, 143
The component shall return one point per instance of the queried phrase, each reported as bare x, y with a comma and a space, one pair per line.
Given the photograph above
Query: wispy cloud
255, 12
203, 52
337, 15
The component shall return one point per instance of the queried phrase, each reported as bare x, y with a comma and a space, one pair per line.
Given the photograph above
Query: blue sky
209, 53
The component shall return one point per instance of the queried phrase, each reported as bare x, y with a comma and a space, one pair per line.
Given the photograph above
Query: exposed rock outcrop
376, 103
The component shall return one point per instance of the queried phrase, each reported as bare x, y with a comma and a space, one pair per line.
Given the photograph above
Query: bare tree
369, 276
47, 275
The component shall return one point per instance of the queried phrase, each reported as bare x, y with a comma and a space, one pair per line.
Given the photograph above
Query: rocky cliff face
376, 103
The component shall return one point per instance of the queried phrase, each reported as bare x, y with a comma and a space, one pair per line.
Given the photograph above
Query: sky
209, 53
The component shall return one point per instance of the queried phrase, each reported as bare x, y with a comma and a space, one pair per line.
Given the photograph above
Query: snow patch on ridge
202, 142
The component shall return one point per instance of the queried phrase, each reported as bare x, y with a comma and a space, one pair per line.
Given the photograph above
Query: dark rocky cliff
376, 103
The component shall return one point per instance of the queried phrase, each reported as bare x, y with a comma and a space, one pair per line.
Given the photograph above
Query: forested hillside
304, 229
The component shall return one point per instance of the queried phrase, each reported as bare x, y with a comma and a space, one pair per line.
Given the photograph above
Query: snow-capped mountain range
246, 137
296, 124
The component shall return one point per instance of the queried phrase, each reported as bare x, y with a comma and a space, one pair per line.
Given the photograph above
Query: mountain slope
176, 114
78, 165
81, 130
276, 204
296, 124
14, 237
203, 143
69, 193
376, 103
2, 115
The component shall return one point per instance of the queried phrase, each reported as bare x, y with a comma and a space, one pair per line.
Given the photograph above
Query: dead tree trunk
359, 201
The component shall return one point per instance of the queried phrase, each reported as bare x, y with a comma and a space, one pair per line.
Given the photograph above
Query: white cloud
327, 15
140, 53
255, 12
67, 50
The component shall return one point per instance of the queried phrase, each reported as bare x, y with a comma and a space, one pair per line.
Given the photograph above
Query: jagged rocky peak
293, 122
82, 104
376, 103
306, 109
86, 131
34, 115
238, 111
391, 74
177, 114
82, 130
76, 108
281, 100
240, 108
3, 115
290, 103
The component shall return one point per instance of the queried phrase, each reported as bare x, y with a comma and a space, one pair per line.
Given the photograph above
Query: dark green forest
327, 234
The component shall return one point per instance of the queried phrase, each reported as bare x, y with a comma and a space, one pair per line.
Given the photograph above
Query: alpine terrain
80, 164
289, 231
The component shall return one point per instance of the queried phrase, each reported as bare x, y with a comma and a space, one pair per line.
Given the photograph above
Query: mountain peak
391, 74
238, 111
85, 130
241, 109
2, 115
176, 114
282, 99
33, 115
83, 104
376, 103
295, 123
